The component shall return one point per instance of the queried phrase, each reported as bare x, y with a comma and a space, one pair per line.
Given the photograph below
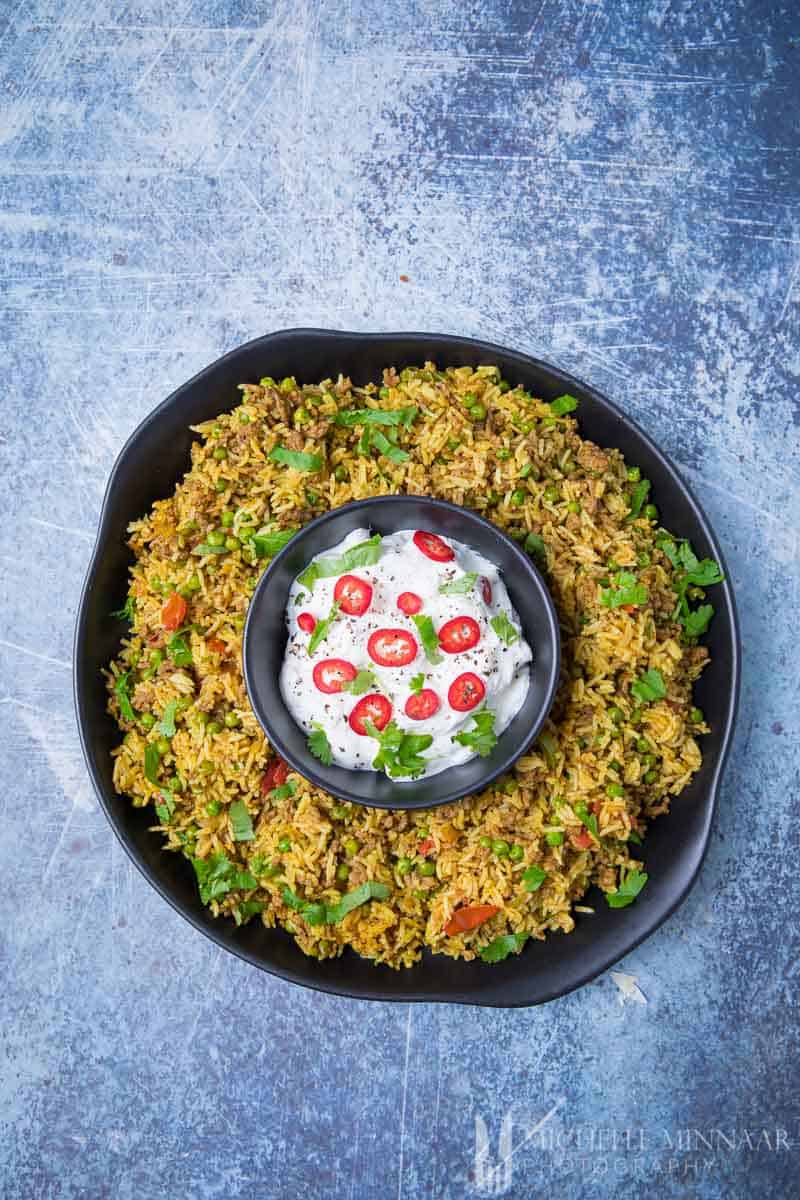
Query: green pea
206, 767
162, 745
493, 498
651, 777
551, 493
615, 765
232, 719
634, 474
615, 790
642, 745
244, 417
518, 497
285, 845
477, 412
287, 384
423, 831
504, 386
649, 760
500, 847
271, 870
503, 454
696, 716
213, 808
404, 865
554, 838
486, 842
220, 453
339, 812
616, 714
232, 543
426, 869
340, 474
203, 718
226, 519
516, 853
301, 416
215, 538
636, 717
651, 512
311, 496
213, 727
529, 470
147, 720
221, 486
454, 443
350, 847
573, 506
343, 872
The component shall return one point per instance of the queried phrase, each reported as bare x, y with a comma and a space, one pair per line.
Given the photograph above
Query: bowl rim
438, 343
525, 563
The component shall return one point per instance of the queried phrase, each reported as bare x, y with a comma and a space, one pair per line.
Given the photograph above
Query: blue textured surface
612, 186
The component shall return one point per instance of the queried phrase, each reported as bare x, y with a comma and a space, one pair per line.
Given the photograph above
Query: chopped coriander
533, 878
297, 459
399, 754
247, 909
428, 637
624, 589
367, 891
417, 683
216, 876
207, 548
649, 687
638, 497
363, 681
322, 628
241, 823
628, 889
382, 444
549, 747
362, 555
121, 691
502, 946
588, 819
126, 612
267, 545
167, 723
459, 587
377, 416
283, 791
319, 745
178, 650
554, 838
534, 545
482, 739
690, 572
563, 405
166, 807
152, 760
504, 629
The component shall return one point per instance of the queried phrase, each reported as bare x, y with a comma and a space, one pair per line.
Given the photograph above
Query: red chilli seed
459, 634
392, 647
486, 590
306, 622
422, 705
409, 603
432, 546
353, 594
466, 692
374, 708
332, 674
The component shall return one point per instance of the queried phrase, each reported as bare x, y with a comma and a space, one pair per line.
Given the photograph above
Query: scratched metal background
610, 185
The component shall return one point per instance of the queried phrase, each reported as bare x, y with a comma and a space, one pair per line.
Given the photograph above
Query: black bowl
265, 637
153, 460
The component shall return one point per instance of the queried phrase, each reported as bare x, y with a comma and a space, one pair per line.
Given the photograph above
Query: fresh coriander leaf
121, 691
363, 681
417, 683
204, 548
322, 628
625, 590
167, 723
166, 808
292, 899
667, 545
377, 416
549, 747
459, 587
638, 497
152, 760
178, 650
628, 889
588, 819
633, 836
533, 878
247, 909
428, 637
385, 447
399, 754
216, 876
482, 739
697, 620
364, 554
649, 687
502, 946
267, 545
126, 612
504, 629
367, 891
283, 791
319, 746
297, 459
534, 545
241, 823
563, 405
704, 573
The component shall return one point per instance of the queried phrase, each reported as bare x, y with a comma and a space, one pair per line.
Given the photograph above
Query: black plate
265, 643
153, 460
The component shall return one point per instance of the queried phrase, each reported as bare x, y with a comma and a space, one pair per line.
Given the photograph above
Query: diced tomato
392, 647
581, 840
173, 612
409, 603
486, 590
459, 634
466, 691
628, 608
432, 546
468, 917
354, 595
595, 806
421, 705
307, 622
426, 847
374, 708
216, 645
274, 776
332, 674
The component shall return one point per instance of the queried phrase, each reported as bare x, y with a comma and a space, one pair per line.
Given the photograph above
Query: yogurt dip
405, 647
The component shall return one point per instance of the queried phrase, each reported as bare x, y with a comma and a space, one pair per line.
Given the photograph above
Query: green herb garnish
691, 571
649, 687
429, 637
377, 416
381, 443
178, 650
204, 548
247, 909
126, 612
628, 890
216, 876
319, 745
563, 405
363, 681
549, 747
152, 761
533, 878
417, 683
482, 739
638, 497
121, 691
367, 891
241, 822
362, 555
624, 590
165, 809
588, 819
502, 946
504, 629
459, 587
283, 791
267, 545
400, 754
167, 723
298, 459
322, 628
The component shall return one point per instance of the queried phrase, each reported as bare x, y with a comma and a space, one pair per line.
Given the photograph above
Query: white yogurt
502, 668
